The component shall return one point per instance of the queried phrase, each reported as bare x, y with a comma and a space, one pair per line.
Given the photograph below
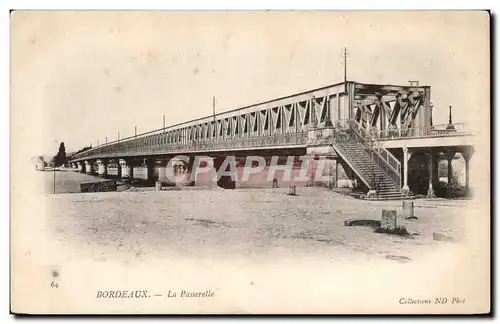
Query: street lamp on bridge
431, 107
450, 125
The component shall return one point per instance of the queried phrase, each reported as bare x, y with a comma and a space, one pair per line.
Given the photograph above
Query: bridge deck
287, 121
433, 136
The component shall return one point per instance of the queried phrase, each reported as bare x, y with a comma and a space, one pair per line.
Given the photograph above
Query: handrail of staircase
384, 158
351, 164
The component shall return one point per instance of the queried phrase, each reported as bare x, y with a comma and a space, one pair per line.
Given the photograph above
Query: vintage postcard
250, 162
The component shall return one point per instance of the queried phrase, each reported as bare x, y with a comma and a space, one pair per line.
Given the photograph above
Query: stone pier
102, 167
89, 167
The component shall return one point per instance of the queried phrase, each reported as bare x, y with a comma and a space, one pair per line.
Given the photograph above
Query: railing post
405, 191
372, 193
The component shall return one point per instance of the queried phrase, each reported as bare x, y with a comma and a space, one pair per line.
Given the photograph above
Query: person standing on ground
275, 183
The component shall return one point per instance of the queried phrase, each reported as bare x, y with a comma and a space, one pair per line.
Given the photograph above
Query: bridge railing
342, 152
129, 141
299, 138
320, 136
441, 130
388, 162
250, 142
325, 132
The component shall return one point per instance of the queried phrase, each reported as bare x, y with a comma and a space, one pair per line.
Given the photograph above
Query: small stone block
389, 219
408, 210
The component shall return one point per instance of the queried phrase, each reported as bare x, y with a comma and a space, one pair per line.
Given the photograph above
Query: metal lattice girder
253, 123
382, 106
399, 105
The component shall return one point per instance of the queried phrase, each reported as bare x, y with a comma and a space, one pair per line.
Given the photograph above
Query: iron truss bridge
383, 112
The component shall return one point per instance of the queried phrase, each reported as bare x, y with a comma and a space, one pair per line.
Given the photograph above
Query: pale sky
78, 77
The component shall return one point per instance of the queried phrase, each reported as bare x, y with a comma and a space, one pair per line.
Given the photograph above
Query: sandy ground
259, 250
260, 223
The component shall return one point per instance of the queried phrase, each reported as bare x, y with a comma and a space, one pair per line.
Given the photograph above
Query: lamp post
431, 106
450, 126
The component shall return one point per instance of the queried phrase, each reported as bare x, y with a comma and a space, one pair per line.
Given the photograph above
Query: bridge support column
435, 170
449, 157
131, 164
430, 191
130, 171
102, 167
80, 166
89, 166
406, 157
123, 168
152, 172
467, 154
118, 169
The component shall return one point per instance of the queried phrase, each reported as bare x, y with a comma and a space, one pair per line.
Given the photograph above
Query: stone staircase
358, 156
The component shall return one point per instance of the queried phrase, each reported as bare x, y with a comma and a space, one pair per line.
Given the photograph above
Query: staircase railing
382, 157
337, 138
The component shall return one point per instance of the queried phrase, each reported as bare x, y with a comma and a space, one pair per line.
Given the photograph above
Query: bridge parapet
280, 140
442, 130
242, 143
320, 136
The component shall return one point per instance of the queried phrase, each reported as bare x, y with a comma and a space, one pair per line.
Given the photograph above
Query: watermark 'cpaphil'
198, 169
305, 162
229, 161
287, 168
297, 168
250, 169
170, 166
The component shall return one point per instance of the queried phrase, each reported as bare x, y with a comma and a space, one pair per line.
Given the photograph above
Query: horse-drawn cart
98, 186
